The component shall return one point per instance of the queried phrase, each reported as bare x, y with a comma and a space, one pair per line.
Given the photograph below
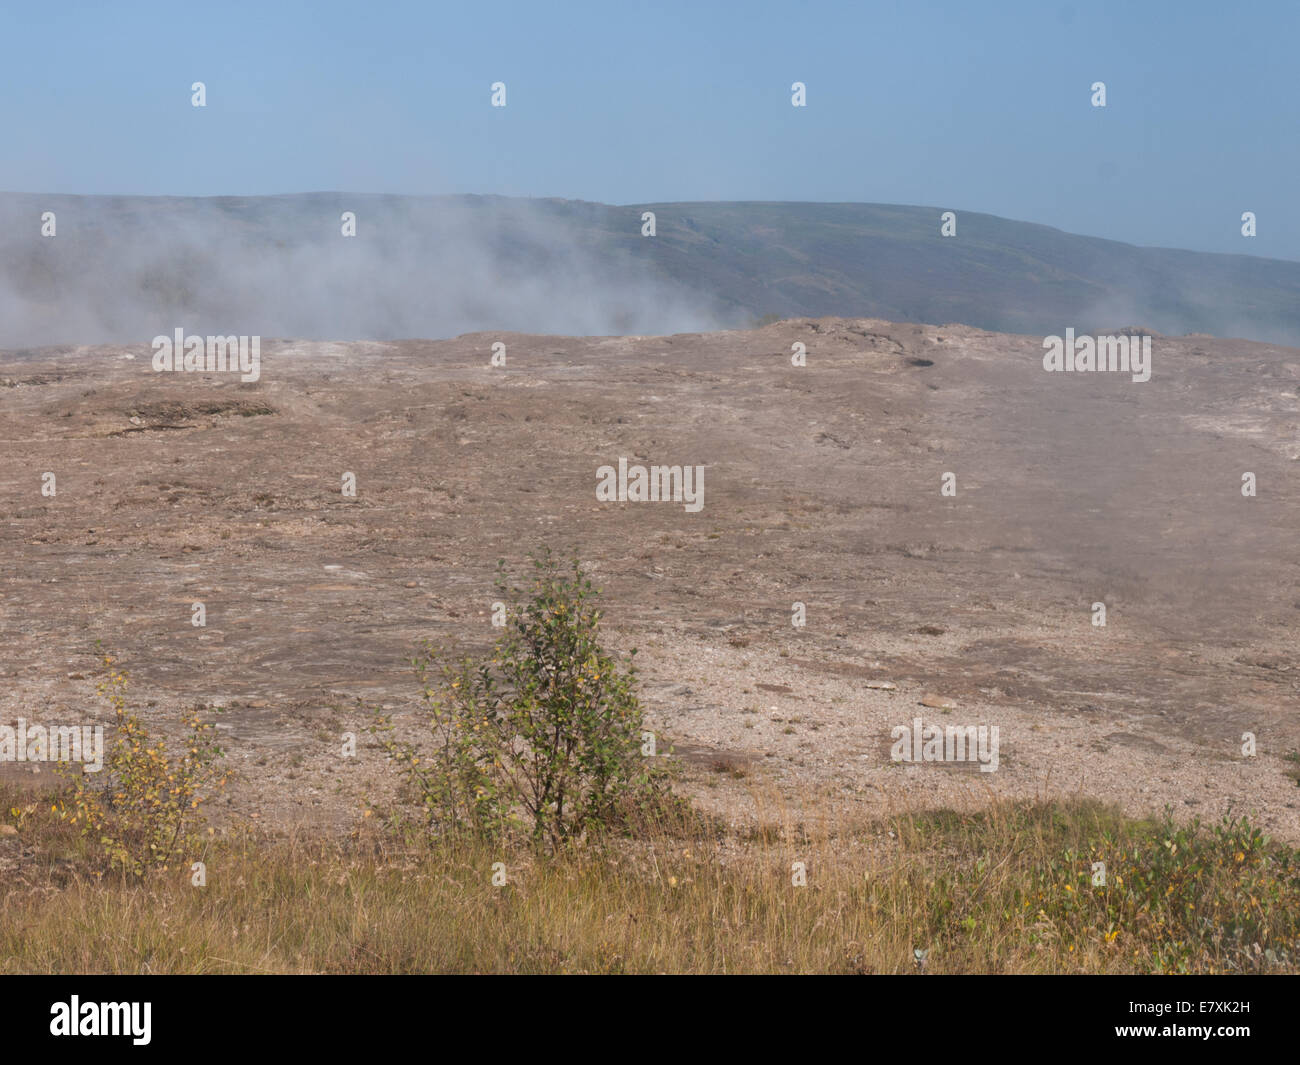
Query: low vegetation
1010, 889
547, 844
141, 811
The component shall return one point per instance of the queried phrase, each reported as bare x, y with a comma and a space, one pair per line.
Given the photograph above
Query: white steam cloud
124, 269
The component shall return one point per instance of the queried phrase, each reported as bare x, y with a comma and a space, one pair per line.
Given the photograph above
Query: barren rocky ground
822, 486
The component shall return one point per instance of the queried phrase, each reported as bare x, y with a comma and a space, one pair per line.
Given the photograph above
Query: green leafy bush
544, 735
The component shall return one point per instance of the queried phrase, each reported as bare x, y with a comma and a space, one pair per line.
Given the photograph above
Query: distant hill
123, 269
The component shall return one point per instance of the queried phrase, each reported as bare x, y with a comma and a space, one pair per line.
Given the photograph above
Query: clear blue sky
971, 106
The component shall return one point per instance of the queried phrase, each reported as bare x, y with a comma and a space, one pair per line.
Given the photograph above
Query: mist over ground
126, 269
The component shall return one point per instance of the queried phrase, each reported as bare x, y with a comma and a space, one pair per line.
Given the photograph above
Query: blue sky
982, 107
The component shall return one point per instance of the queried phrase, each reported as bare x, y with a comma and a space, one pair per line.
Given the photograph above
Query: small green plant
144, 808
1191, 898
544, 734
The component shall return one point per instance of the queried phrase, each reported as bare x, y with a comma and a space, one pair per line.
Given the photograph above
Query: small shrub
142, 808
544, 734
1192, 898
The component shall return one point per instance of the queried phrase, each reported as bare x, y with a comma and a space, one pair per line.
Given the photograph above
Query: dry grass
999, 891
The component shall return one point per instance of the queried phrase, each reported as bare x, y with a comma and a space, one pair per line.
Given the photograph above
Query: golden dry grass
1007, 890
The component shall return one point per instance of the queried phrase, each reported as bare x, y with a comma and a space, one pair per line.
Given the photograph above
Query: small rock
882, 685
1267, 663
136, 421
937, 702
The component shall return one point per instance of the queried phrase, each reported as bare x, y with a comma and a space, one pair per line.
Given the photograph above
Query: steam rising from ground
127, 269
123, 270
